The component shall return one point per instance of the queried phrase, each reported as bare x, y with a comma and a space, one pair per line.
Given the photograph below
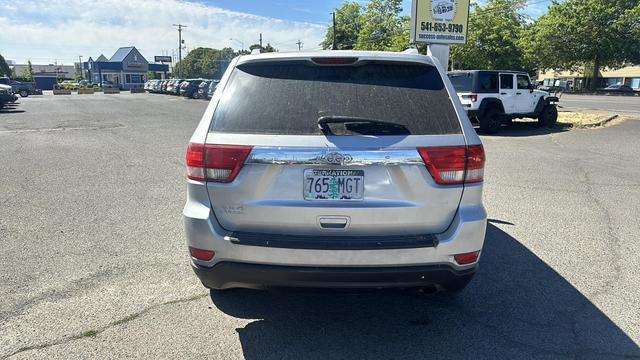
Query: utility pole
260, 41
180, 42
334, 46
299, 45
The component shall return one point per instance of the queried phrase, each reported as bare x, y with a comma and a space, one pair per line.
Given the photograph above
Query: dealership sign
439, 21
162, 59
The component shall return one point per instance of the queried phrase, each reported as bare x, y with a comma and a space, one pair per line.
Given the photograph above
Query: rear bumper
233, 274
318, 266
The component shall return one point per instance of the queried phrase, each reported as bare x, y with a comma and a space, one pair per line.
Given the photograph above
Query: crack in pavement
613, 243
63, 128
96, 332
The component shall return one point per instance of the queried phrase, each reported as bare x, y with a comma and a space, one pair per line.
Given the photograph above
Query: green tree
4, 67
348, 24
207, 62
28, 72
381, 26
264, 49
78, 72
493, 38
586, 34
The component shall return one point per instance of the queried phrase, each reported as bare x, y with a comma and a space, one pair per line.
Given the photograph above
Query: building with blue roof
126, 69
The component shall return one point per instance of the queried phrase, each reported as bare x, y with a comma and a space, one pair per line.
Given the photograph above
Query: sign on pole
439, 21
162, 59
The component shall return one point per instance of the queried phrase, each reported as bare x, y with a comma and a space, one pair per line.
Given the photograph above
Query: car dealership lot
94, 262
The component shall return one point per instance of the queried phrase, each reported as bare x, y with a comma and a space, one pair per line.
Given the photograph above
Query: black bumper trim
334, 242
234, 274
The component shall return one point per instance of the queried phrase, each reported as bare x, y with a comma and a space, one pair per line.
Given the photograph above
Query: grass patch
579, 119
89, 333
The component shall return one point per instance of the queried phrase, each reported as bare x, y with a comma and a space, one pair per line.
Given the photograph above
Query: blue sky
61, 30
318, 11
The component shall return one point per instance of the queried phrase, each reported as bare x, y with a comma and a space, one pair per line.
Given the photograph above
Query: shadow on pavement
517, 306
528, 128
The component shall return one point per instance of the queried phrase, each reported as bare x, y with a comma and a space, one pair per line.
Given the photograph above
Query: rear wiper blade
323, 121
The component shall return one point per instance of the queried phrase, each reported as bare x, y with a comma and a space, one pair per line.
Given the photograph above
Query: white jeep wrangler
493, 97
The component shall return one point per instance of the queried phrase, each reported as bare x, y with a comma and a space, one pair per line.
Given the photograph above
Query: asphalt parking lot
94, 263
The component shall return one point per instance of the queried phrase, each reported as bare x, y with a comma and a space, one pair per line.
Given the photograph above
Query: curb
600, 123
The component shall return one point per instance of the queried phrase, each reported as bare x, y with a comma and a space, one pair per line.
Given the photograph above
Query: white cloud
44, 30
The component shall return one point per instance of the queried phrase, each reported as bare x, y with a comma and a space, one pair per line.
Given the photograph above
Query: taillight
217, 163
467, 258
473, 98
201, 254
475, 164
450, 165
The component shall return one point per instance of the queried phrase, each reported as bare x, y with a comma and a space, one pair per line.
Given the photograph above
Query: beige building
52, 70
628, 75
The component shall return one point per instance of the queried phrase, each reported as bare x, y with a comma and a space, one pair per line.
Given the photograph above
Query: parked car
149, 86
174, 88
162, 87
69, 85
335, 169
190, 87
158, 86
106, 84
87, 84
171, 86
619, 88
212, 88
6, 95
201, 93
24, 89
493, 97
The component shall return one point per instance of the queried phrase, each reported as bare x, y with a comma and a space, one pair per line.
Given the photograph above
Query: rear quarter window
462, 82
288, 97
487, 82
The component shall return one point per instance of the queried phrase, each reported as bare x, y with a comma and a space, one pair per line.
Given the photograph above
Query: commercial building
126, 69
628, 75
46, 76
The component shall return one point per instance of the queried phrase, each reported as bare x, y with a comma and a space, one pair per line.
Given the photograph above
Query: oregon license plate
335, 184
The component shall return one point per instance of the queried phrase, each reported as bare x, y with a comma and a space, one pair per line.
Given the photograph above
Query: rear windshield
289, 97
462, 82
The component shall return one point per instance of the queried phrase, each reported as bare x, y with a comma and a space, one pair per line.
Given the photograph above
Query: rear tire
491, 121
24, 93
548, 117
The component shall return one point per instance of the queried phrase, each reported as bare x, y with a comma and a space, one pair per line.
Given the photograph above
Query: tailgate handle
333, 222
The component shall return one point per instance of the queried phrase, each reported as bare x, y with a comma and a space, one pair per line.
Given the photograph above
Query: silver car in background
335, 169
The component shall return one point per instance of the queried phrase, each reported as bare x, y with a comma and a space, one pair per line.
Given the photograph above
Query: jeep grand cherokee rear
334, 169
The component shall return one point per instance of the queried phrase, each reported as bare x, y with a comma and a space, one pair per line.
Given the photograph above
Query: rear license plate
336, 184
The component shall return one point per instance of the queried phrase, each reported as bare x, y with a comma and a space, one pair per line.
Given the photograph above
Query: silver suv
335, 169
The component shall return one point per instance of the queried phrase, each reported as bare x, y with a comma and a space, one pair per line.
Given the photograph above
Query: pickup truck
6, 95
24, 89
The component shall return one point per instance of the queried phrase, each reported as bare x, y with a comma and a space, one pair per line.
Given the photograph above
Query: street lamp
241, 43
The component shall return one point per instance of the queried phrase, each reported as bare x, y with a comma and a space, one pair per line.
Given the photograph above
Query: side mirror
531, 87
